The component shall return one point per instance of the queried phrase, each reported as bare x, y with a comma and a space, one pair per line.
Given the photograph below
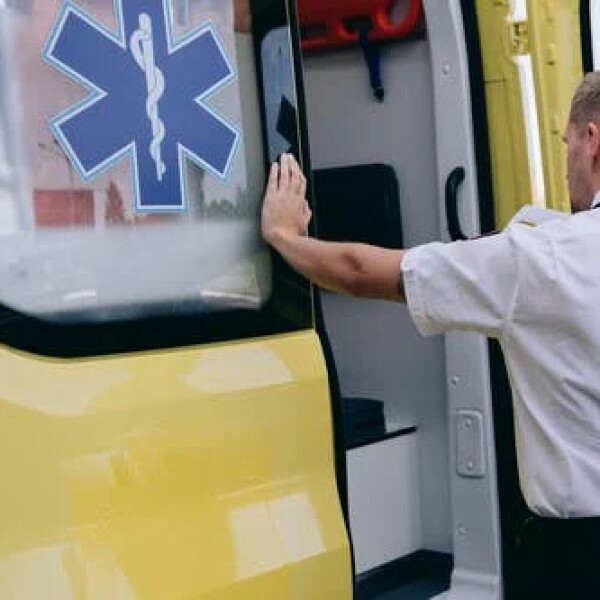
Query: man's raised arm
357, 269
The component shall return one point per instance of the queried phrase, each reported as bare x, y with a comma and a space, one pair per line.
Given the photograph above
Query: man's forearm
357, 269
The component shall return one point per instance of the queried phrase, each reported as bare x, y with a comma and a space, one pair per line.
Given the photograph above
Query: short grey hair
585, 106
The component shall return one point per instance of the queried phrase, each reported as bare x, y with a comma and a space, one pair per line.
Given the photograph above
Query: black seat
363, 422
358, 204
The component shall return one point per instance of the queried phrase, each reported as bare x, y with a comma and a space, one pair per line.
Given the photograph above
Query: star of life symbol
147, 99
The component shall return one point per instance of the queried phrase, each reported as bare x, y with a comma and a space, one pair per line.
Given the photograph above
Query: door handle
455, 179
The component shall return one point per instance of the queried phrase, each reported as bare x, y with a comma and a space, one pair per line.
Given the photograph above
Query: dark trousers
559, 559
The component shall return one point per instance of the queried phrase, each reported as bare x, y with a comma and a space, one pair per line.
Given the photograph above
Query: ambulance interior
375, 160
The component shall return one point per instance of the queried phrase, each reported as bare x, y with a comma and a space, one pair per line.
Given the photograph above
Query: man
535, 289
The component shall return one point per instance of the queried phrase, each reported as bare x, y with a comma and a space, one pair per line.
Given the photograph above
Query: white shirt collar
596, 200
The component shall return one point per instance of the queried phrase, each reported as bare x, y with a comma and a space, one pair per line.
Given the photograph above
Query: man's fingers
307, 215
297, 181
273, 177
306, 210
302, 190
284, 172
295, 175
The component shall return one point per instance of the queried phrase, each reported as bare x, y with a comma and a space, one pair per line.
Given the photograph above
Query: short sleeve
468, 285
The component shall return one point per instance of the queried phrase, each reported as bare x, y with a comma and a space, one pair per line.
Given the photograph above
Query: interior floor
422, 575
418, 590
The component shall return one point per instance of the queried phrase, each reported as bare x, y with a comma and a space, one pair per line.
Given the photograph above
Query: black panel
359, 204
587, 56
169, 330
480, 119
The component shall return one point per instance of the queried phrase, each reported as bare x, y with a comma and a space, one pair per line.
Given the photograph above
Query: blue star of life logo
147, 99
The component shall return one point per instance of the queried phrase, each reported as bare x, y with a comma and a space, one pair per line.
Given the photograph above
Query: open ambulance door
165, 422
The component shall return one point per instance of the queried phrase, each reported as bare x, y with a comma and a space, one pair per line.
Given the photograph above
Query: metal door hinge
519, 37
470, 443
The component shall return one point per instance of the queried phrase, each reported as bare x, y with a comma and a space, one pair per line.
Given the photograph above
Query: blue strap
372, 54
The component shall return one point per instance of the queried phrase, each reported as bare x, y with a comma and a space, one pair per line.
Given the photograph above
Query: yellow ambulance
181, 415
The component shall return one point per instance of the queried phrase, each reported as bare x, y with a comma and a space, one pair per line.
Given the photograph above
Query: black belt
534, 527
571, 523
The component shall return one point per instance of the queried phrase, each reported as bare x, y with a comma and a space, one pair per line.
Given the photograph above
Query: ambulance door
464, 213
165, 423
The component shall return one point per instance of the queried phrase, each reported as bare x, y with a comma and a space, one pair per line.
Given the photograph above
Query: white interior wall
378, 352
376, 540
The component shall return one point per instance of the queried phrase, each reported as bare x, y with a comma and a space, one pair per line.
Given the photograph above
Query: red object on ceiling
330, 23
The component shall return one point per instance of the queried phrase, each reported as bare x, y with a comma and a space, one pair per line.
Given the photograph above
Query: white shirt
537, 290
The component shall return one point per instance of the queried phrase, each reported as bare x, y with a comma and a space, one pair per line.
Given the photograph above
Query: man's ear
593, 134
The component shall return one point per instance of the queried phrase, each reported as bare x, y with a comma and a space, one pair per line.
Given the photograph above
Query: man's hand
358, 269
285, 209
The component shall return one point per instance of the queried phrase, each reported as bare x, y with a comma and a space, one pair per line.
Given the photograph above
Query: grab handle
453, 182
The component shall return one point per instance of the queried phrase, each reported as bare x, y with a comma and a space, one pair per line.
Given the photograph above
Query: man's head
582, 138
